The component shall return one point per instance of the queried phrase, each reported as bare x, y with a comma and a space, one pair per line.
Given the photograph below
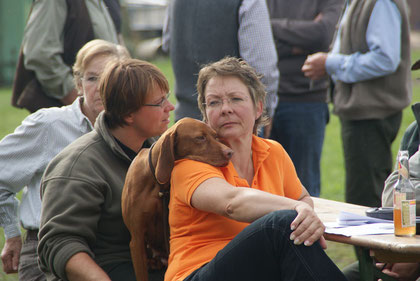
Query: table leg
368, 270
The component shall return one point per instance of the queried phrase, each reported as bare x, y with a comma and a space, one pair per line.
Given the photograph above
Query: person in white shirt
25, 154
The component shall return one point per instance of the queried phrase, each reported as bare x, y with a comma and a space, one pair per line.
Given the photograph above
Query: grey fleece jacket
81, 203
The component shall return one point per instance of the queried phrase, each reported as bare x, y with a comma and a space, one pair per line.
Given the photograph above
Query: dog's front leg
139, 257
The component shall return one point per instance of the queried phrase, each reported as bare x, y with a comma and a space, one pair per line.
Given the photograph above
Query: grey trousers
28, 265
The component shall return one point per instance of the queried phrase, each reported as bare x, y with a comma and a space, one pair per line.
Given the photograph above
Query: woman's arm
81, 267
246, 204
77, 202
306, 197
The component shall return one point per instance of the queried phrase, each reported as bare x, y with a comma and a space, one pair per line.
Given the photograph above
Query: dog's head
190, 139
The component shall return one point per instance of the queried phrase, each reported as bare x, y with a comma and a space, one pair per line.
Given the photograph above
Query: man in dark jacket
302, 28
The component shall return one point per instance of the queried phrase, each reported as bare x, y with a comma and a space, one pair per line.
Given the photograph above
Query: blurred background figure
200, 31
371, 72
55, 31
302, 28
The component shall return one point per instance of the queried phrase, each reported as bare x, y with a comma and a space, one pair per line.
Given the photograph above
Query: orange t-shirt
197, 236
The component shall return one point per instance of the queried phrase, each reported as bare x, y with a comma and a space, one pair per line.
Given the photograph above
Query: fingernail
297, 242
292, 227
307, 243
292, 236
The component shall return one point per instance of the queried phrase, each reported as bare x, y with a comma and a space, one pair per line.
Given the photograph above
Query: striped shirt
25, 154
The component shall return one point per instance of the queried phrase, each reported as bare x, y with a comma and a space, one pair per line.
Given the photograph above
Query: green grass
164, 64
10, 117
332, 166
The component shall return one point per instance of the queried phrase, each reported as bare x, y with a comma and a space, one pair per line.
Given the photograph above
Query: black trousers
125, 272
368, 157
264, 251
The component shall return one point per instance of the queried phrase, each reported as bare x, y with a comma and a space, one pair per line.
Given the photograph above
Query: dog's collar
162, 192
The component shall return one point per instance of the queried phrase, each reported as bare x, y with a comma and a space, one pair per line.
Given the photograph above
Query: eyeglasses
160, 103
216, 103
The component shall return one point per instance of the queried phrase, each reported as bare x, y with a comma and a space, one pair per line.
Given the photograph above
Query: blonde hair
231, 66
91, 50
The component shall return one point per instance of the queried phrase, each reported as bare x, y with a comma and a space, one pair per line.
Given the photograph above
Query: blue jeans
264, 251
300, 128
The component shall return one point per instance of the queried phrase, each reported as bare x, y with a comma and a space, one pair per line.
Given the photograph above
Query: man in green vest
371, 73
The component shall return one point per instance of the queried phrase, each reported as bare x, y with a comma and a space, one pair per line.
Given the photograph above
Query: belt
32, 234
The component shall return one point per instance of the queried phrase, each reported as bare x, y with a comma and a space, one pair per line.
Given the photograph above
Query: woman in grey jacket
82, 234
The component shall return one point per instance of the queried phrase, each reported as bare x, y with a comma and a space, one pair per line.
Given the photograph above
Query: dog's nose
228, 153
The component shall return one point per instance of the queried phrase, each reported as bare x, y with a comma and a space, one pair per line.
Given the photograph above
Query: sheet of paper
347, 219
349, 224
364, 229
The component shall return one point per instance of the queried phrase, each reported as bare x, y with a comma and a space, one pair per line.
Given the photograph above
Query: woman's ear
259, 109
129, 119
79, 87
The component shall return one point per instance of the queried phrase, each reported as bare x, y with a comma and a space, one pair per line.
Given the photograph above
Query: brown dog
147, 180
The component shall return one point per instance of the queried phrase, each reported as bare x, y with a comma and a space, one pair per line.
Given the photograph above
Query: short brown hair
91, 50
230, 66
124, 86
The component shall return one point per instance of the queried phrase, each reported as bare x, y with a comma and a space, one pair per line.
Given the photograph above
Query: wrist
11, 231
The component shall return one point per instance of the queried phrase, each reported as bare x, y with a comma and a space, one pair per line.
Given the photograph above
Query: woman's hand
401, 271
307, 227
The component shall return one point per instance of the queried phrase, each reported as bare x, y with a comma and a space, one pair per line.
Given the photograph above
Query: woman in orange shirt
250, 220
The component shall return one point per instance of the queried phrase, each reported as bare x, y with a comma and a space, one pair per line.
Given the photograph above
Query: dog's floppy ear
166, 159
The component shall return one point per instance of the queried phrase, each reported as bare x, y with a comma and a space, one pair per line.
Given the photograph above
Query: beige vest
380, 97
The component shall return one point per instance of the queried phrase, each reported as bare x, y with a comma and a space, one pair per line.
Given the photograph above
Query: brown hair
91, 50
230, 66
124, 86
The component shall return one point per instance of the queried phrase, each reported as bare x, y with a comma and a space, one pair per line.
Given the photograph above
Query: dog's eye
200, 138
